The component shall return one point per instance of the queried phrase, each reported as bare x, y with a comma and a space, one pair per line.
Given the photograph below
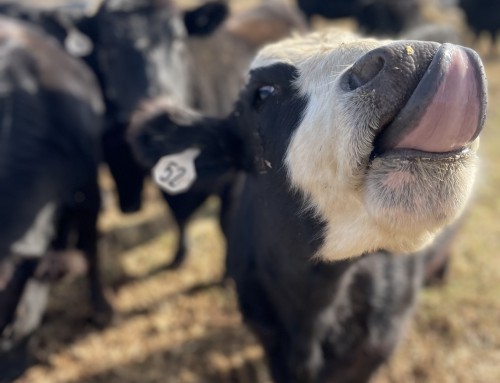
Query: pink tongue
451, 119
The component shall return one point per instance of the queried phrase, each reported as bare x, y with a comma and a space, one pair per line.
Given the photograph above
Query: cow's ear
162, 129
206, 18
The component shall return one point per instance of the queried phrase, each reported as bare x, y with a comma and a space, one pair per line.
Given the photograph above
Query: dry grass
178, 327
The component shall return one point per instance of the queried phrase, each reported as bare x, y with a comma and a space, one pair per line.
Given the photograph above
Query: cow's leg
13, 280
182, 207
22, 304
180, 253
86, 223
16, 361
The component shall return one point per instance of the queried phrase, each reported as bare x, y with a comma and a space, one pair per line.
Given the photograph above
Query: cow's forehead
336, 46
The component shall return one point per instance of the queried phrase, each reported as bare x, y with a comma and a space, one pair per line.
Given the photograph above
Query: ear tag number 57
176, 173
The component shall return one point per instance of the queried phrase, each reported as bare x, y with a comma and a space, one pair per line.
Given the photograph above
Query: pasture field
182, 327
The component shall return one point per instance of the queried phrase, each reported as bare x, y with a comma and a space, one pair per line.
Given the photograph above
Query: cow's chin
403, 201
414, 194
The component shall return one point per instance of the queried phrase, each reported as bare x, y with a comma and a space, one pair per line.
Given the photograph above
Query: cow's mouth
445, 112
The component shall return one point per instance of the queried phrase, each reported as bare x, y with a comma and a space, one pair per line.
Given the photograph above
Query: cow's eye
265, 91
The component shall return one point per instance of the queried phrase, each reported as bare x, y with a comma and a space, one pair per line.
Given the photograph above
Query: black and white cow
51, 122
355, 150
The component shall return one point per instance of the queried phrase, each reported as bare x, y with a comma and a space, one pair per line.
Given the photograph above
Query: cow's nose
391, 73
366, 69
405, 61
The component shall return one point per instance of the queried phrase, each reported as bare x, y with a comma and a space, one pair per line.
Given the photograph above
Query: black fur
379, 17
482, 16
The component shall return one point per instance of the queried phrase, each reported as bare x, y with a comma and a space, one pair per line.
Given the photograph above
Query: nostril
363, 71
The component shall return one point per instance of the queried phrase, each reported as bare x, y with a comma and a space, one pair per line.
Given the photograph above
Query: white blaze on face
328, 157
169, 66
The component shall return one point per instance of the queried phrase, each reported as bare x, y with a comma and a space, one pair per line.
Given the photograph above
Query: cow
482, 16
329, 9
51, 122
375, 17
355, 153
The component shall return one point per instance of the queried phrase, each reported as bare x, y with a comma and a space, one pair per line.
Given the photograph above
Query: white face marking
388, 204
167, 62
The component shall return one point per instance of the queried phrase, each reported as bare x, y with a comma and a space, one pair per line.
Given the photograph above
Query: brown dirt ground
180, 327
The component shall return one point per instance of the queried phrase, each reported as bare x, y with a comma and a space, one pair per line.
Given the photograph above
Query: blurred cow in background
388, 17
51, 123
140, 54
483, 16
378, 17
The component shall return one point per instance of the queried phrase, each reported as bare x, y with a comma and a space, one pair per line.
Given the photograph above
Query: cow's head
379, 137
139, 53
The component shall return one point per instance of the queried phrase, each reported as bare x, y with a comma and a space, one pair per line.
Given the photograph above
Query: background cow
51, 113
482, 16
380, 17
340, 163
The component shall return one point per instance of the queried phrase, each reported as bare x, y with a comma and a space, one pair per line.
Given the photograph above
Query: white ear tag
78, 44
176, 173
